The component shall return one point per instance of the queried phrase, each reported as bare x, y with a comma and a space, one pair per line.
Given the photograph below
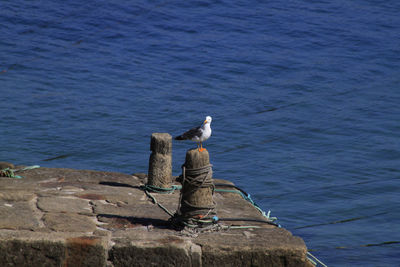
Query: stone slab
64, 204
28, 248
18, 215
16, 195
252, 247
69, 222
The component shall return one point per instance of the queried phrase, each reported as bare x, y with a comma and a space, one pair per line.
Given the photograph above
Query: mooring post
160, 162
197, 187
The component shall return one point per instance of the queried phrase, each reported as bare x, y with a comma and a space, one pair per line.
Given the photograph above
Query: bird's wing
192, 133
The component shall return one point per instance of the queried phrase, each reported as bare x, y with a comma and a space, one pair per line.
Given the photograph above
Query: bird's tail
179, 137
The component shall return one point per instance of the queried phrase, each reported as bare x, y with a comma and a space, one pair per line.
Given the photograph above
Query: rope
194, 177
227, 227
28, 168
316, 259
158, 204
151, 188
191, 222
169, 190
249, 220
10, 173
193, 180
247, 197
161, 190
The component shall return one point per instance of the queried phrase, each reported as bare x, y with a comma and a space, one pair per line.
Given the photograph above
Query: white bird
198, 134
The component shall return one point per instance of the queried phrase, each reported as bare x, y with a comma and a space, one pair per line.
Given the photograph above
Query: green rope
247, 197
28, 168
161, 190
240, 226
156, 202
316, 259
215, 224
10, 173
195, 223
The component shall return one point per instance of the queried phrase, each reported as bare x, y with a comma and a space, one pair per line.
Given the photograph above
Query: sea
304, 96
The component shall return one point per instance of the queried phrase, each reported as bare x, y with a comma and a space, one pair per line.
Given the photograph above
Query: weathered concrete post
197, 187
160, 162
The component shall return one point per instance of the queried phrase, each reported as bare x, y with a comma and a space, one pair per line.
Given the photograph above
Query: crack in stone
38, 213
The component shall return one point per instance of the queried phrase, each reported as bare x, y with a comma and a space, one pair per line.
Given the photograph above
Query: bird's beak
205, 122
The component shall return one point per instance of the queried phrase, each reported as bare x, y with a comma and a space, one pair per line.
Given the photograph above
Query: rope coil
198, 178
190, 214
10, 173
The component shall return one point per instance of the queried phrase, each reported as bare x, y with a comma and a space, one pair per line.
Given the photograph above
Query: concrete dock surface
67, 217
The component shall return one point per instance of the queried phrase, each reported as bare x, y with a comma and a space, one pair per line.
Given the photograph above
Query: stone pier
67, 217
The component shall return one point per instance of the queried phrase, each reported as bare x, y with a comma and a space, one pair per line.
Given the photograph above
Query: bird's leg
201, 149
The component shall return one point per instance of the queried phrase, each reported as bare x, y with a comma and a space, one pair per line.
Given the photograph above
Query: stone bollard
197, 188
160, 162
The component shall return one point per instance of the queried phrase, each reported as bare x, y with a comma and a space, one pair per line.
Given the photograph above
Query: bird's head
208, 120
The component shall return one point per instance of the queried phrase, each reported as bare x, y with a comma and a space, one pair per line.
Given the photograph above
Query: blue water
304, 97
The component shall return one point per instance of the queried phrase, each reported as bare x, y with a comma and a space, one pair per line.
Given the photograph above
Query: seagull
198, 134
